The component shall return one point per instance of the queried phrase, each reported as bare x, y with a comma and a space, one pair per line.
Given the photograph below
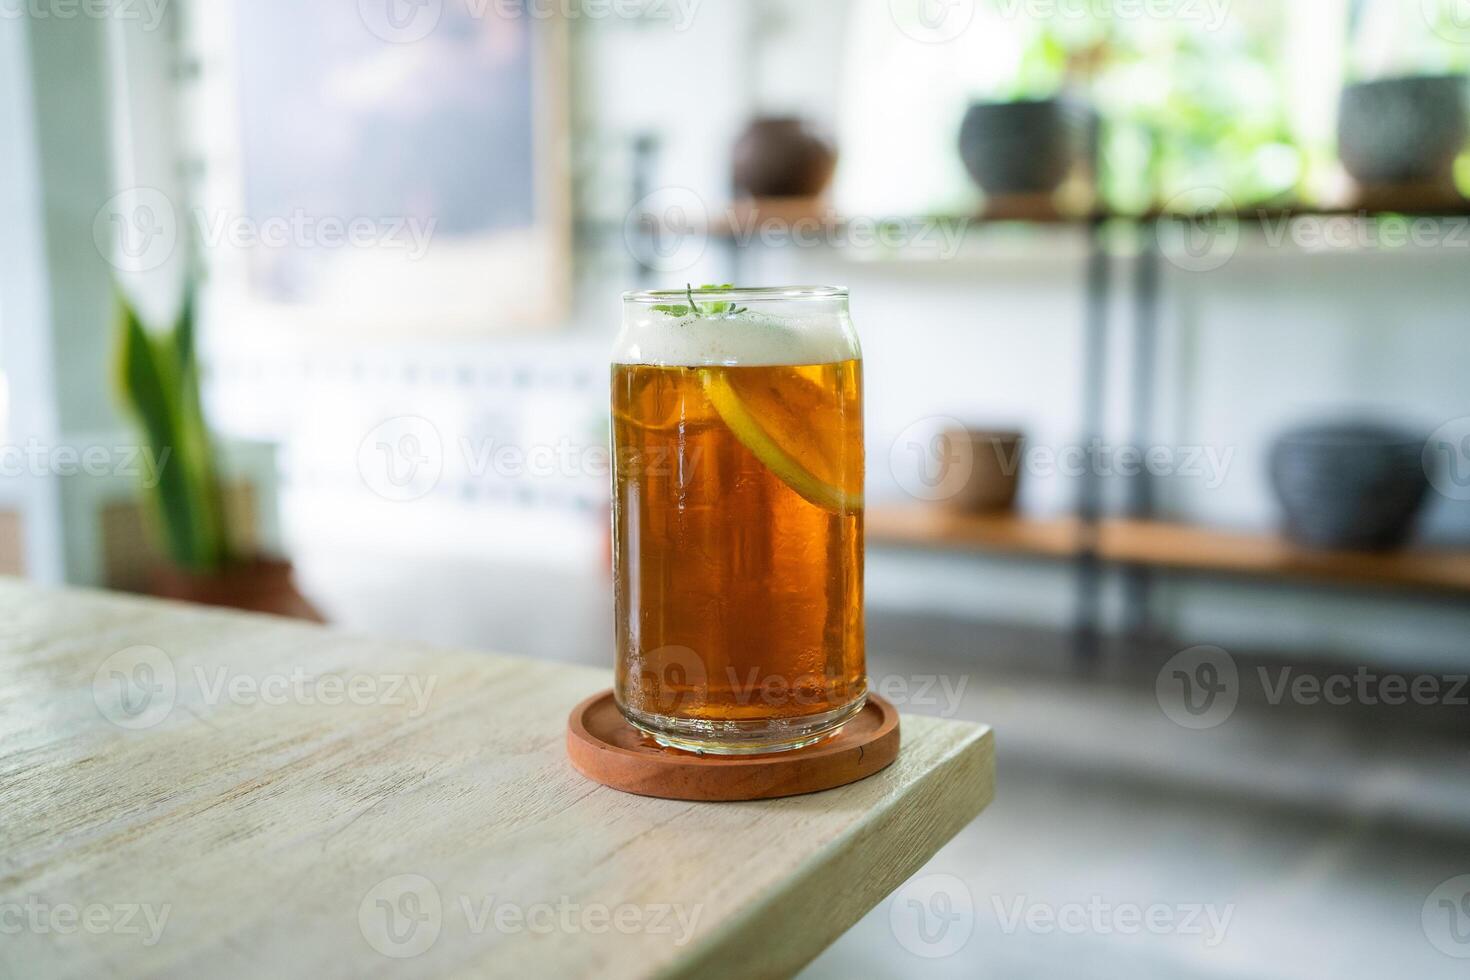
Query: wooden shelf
1007, 534
746, 217
1159, 544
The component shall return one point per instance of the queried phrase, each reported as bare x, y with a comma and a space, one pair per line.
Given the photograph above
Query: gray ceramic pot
1402, 130
1025, 147
1349, 485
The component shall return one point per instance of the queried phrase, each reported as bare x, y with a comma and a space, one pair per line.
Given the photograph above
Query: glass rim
754, 294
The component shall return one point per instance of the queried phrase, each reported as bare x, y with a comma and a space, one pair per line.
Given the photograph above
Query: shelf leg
1087, 626
1137, 580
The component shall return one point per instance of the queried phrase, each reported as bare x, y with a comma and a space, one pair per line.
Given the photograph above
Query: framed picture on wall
385, 169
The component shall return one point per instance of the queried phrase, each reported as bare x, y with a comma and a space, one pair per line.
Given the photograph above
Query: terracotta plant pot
1397, 131
254, 585
995, 470
782, 156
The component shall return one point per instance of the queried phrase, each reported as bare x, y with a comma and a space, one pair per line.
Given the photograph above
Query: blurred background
307, 309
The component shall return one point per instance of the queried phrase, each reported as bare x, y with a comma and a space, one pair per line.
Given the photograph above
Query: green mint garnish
714, 309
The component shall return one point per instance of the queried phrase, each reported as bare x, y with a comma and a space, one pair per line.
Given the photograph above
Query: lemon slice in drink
777, 429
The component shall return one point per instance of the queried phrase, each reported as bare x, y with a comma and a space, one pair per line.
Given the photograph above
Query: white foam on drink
751, 339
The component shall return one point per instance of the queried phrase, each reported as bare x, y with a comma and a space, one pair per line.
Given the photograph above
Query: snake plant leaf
194, 442
158, 378
150, 395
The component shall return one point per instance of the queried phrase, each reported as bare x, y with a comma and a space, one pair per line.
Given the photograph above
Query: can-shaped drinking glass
737, 508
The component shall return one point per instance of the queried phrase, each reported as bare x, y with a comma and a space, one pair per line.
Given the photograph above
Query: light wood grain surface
192, 792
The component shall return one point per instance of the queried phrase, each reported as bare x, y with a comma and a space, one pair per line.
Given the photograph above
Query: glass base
742, 737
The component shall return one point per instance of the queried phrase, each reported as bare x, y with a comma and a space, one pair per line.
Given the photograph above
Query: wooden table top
194, 792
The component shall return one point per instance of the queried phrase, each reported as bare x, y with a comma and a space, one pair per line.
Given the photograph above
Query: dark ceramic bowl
1025, 147
1349, 485
1408, 130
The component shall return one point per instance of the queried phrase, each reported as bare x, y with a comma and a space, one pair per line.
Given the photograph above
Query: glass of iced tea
738, 517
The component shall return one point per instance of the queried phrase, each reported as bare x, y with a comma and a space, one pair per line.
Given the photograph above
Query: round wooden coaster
604, 747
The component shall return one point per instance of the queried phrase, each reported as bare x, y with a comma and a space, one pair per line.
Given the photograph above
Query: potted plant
158, 378
1031, 138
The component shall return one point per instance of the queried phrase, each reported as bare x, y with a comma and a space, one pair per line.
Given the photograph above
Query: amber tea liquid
738, 555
